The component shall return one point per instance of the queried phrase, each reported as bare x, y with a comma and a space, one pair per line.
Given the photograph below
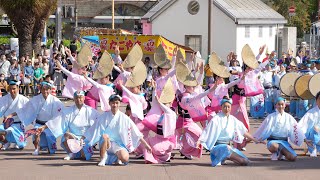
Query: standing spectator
13, 54
58, 75
73, 47
28, 77
4, 66
38, 75
14, 70
52, 65
300, 56
61, 49
45, 66
3, 85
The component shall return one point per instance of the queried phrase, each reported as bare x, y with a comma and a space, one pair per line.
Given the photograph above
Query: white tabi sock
314, 152
103, 160
36, 152
69, 157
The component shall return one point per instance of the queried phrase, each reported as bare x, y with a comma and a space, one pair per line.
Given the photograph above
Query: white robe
41, 109
120, 129
309, 120
8, 105
210, 135
267, 127
75, 120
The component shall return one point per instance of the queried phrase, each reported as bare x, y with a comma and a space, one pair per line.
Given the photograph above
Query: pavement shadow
74, 164
34, 158
302, 163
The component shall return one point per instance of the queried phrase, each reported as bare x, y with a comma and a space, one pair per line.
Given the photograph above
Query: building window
247, 31
260, 31
193, 7
194, 42
270, 31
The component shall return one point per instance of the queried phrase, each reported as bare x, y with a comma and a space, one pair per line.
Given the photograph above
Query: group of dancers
178, 103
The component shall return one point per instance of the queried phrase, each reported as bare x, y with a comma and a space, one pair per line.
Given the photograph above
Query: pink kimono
74, 83
159, 116
218, 94
188, 131
238, 108
122, 76
100, 92
137, 103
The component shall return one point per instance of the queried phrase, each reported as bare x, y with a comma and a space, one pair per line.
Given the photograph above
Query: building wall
176, 22
254, 40
224, 31
289, 39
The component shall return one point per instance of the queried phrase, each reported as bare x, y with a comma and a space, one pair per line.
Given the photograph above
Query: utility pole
58, 23
76, 13
112, 14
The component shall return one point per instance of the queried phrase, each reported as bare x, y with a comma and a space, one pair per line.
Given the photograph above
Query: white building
215, 25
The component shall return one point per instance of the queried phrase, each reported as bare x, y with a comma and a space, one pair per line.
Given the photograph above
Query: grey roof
158, 9
240, 11
249, 12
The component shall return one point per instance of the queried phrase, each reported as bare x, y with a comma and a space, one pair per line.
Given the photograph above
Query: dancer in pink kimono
128, 65
161, 119
100, 92
191, 109
239, 109
219, 93
165, 69
74, 82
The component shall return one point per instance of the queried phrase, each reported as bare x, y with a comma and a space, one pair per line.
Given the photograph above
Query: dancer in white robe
117, 133
310, 126
217, 135
76, 119
39, 110
8, 104
277, 128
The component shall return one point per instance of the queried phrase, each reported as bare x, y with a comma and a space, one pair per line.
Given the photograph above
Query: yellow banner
126, 42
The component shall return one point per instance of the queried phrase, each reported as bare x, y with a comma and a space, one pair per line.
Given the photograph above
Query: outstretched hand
261, 49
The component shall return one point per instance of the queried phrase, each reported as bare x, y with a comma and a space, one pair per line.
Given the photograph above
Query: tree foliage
306, 12
29, 17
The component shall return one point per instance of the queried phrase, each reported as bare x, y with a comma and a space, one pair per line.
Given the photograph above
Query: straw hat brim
215, 59
105, 66
83, 55
184, 75
133, 57
293, 62
248, 57
167, 94
180, 56
218, 67
138, 75
160, 56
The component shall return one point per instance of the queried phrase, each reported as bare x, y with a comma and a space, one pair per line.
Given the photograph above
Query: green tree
306, 12
29, 17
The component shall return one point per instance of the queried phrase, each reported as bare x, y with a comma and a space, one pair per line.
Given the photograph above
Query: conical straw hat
218, 67
105, 66
184, 75
180, 56
294, 62
167, 94
83, 55
248, 57
138, 75
161, 58
133, 57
